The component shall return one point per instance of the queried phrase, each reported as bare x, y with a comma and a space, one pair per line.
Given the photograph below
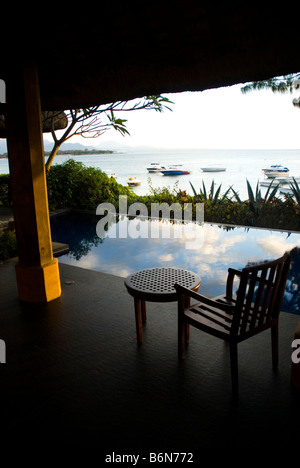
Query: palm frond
236, 195
194, 190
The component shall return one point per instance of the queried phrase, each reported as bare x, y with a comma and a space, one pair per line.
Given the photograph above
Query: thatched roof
57, 119
122, 50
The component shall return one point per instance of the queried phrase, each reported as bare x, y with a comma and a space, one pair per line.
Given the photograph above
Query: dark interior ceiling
122, 50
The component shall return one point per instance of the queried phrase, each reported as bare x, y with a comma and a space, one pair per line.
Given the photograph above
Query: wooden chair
236, 317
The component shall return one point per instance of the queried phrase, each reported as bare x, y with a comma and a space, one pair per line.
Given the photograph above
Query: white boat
155, 167
133, 182
286, 191
275, 170
213, 169
267, 183
288, 180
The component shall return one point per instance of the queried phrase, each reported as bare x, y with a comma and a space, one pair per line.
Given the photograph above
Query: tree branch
89, 123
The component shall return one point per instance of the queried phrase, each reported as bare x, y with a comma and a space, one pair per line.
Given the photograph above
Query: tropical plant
256, 199
296, 190
213, 195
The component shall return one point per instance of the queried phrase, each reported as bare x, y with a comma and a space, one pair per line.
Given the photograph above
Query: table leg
144, 316
138, 319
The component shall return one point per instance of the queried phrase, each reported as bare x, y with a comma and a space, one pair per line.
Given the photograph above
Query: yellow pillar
37, 271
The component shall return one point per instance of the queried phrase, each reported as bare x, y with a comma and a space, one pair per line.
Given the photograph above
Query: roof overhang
124, 50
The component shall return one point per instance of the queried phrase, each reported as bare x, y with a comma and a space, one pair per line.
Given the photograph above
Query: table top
157, 284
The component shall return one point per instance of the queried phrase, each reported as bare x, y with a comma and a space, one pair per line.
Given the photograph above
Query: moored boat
275, 170
213, 169
133, 182
288, 180
175, 170
155, 167
267, 183
111, 174
286, 191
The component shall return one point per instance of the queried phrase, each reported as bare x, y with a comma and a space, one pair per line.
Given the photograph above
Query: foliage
279, 84
257, 200
296, 191
73, 185
213, 196
163, 194
261, 211
8, 244
5, 192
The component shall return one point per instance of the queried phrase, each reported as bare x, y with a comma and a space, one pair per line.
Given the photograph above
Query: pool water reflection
218, 249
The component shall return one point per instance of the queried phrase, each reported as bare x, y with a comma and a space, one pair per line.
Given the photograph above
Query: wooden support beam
37, 271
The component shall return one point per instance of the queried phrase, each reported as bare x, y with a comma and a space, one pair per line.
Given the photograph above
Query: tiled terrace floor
75, 376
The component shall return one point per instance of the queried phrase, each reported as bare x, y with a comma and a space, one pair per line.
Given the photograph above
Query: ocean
240, 165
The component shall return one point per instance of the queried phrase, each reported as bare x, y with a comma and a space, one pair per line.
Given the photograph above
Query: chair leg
234, 368
274, 338
187, 333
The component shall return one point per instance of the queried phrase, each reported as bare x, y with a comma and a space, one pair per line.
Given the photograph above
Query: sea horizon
240, 164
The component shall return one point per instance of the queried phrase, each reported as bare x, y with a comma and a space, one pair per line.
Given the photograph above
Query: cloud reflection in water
163, 244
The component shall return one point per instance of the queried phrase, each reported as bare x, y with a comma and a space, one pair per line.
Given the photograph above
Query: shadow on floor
76, 377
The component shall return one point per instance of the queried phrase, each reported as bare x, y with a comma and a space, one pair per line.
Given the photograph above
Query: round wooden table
157, 285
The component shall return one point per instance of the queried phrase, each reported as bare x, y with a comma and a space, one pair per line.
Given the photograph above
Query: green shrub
5, 192
73, 185
8, 244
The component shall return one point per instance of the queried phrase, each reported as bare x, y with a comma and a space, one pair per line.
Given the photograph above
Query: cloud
276, 246
166, 258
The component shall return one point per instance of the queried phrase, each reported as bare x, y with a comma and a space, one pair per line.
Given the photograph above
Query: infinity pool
130, 245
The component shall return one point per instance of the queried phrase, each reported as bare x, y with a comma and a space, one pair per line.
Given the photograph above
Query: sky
222, 118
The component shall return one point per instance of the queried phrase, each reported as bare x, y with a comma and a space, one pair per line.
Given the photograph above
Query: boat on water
111, 174
275, 170
279, 181
288, 180
286, 191
155, 167
213, 169
133, 182
174, 170
267, 183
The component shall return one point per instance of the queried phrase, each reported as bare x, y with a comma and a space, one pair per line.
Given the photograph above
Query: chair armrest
204, 299
232, 272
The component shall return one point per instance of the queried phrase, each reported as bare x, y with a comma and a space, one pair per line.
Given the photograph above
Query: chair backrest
260, 295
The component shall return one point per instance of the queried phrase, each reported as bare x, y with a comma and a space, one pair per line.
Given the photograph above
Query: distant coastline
80, 152
72, 152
